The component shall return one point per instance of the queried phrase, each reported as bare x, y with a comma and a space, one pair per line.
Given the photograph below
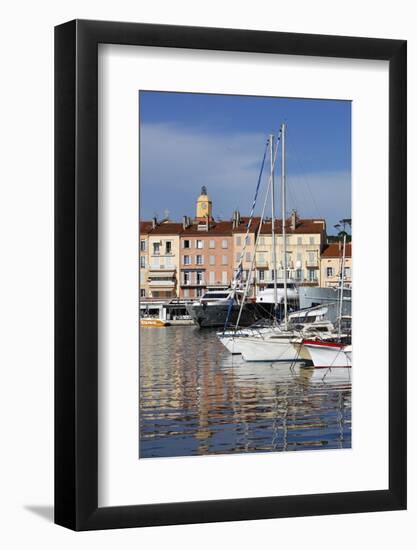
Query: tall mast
284, 236
342, 282
274, 256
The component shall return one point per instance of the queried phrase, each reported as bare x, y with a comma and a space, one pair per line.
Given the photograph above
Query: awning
162, 273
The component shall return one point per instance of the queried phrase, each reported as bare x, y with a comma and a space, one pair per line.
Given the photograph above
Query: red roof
223, 228
145, 227
302, 226
334, 250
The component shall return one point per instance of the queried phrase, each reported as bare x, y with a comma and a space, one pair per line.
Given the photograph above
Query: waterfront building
206, 251
144, 228
163, 257
306, 238
331, 265
244, 246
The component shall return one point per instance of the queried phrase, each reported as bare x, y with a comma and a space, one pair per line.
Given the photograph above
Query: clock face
204, 206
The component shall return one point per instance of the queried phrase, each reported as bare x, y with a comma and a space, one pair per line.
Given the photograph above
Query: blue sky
190, 140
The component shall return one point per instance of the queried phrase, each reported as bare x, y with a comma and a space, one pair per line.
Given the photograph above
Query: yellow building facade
305, 239
331, 265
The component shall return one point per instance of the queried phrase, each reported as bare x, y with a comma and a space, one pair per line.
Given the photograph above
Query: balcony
312, 262
161, 283
193, 283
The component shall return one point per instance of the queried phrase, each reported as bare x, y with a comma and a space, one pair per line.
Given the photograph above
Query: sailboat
279, 342
337, 353
275, 343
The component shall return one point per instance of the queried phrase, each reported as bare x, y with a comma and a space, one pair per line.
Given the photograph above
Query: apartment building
144, 228
305, 240
163, 258
331, 265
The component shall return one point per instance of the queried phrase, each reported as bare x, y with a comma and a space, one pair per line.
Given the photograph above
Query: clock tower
203, 207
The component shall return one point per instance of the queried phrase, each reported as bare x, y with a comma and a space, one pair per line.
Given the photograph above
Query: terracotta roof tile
334, 250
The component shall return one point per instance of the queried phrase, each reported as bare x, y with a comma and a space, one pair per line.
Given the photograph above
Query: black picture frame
76, 272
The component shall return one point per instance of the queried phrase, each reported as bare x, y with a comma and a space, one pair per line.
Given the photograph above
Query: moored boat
325, 354
150, 322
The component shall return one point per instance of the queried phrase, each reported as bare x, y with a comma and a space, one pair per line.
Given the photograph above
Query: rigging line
304, 180
258, 234
248, 226
239, 269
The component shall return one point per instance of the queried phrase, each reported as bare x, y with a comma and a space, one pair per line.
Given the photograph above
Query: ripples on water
197, 399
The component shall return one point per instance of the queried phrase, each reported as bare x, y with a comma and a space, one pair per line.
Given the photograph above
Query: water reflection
196, 399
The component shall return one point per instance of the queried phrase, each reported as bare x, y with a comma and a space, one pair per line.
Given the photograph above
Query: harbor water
197, 399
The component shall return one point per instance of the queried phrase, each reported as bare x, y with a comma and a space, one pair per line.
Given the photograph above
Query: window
261, 259
186, 278
186, 244
312, 257
186, 260
238, 241
261, 274
329, 271
224, 277
312, 275
272, 274
155, 263
200, 279
299, 256
311, 240
142, 293
248, 240
199, 259
299, 240
142, 262
211, 277
212, 243
168, 247
143, 246
347, 271
224, 260
199, 243
248, 256
199, 292
262, 241
168, 262
298, 274
237, 257
212, 260
156, 248
224, 243
186, 293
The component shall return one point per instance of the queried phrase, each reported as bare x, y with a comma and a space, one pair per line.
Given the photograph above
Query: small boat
325, 354
151, 322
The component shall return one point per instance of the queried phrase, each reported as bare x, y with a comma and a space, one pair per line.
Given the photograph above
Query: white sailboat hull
325, 355
268, 349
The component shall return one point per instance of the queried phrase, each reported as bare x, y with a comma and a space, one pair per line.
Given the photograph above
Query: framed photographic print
230, 275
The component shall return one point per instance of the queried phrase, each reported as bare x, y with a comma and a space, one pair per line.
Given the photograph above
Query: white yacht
266, 296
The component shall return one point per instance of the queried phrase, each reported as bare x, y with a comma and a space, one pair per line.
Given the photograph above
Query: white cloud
177, 161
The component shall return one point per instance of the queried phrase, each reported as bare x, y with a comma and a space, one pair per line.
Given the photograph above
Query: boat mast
284, 236
274, 256
342, 282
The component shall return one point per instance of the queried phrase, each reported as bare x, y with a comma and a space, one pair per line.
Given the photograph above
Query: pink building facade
206, 257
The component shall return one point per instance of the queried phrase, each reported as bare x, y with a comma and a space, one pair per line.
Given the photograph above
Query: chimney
294, 219
237, 218
154, 222
184, 222
234, 225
